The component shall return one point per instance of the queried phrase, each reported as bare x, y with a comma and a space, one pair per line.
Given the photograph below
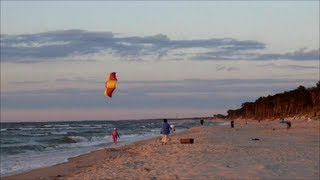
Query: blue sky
181, 58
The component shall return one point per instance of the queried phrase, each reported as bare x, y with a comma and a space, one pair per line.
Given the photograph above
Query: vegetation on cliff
298, 102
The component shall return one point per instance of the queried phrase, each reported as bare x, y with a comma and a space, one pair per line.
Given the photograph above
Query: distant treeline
298, 102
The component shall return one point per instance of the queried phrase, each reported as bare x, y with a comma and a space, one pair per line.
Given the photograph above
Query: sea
30, 145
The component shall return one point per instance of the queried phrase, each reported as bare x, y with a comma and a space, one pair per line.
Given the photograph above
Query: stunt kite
110, 84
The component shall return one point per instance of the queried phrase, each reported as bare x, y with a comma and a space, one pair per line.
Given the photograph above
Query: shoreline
79, 157
64, 155
218, 152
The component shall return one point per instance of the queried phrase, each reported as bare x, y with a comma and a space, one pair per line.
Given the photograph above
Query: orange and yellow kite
111, 84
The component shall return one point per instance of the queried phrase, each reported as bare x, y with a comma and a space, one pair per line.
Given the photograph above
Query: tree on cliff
290, 103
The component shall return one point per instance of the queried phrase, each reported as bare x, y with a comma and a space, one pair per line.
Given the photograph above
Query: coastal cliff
300, 102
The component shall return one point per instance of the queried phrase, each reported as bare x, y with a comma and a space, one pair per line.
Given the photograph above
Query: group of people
166, 129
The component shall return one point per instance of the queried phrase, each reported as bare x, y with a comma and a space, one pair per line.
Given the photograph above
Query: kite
110, 84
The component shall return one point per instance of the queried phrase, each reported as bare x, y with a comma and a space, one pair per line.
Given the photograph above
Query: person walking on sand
165, 131
232, 123
115, 135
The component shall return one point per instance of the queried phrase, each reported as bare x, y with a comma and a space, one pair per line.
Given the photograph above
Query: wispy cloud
299, 55
225, 68
28, 48
295, 67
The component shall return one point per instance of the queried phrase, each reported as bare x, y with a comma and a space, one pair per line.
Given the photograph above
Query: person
288, 124
165, 131
232, 123
201, 122
172, 128
115, 135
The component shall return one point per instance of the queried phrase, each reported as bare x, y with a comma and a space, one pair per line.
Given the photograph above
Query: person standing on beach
288, 124
172, 128
115, 135
232, 123
201, 122
165, 131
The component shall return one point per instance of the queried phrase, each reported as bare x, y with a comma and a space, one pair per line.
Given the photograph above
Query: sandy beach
265, 150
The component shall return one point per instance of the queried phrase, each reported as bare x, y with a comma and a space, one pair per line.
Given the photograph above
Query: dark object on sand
201, 121
147, 169
186, 141
255, 139
232, 124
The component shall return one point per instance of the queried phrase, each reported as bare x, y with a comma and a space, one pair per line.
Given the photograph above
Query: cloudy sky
180, 58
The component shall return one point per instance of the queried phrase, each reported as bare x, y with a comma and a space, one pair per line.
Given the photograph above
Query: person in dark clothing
201, 121
232, 123
165, 131
288, 124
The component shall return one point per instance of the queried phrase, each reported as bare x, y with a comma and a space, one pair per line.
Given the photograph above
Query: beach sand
217, 153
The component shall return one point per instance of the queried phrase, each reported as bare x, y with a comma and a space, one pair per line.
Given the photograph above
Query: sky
172, 58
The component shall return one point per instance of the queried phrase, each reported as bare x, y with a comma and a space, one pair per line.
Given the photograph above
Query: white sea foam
59, 133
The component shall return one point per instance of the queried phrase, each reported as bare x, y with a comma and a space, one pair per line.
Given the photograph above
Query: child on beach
115, 135
165, 131
172, 128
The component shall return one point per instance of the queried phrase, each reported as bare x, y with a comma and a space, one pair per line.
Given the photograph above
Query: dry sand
217, 153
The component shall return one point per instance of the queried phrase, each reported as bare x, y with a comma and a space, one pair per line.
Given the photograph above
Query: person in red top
115, 135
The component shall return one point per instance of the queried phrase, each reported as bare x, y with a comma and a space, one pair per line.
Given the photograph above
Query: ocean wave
12, 129
39, 134
74, 139
47, 125
3, 129
21, 148
90, 125
5, 141
99, 138
62, 125
33, 134
46, 128
26, 128
62, 140
155, 130
58, 133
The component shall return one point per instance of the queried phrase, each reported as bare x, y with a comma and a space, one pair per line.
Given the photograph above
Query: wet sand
265, 150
